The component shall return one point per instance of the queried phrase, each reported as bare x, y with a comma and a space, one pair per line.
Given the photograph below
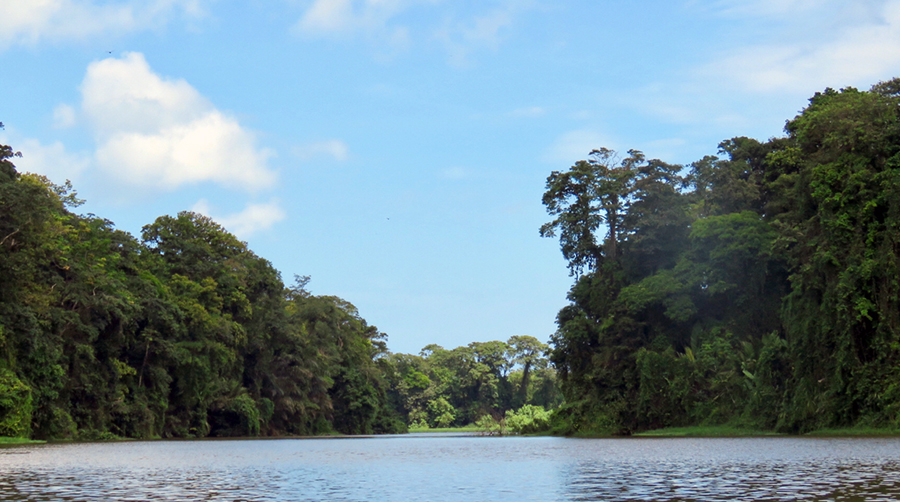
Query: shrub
15, 406
528, 419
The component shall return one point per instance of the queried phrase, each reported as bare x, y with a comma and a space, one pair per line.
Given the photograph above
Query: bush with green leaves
528, 419
15, 406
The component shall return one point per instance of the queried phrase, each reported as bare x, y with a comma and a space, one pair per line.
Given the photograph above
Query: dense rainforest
187, 333
184, 333
757, 288
451, 388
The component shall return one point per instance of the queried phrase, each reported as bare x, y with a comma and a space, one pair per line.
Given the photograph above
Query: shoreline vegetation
700, 431
756, 287
8, 441
184, 332
464, 428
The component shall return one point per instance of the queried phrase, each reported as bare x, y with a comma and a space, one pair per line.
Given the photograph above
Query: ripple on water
457, 468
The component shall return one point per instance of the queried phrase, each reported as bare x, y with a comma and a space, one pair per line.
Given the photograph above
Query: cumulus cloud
63, 116
333, 148
162, 132
861, 45
31, 21
52, 161
254, 218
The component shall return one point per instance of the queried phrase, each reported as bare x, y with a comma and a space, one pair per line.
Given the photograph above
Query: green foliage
589, 419
490, 426
707, 431
451, 388
441, 413
15, 406
249, 414
185, 333
528, 419
760, 289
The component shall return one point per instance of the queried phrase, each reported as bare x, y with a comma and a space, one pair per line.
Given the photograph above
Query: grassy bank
710, 431
467, 428
732, 431
7, 441
855, 432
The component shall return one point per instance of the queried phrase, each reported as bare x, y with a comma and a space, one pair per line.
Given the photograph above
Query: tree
839, 188
762, 287
590, 194
529, 352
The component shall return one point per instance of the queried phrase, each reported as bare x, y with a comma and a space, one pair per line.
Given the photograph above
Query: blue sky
396, 150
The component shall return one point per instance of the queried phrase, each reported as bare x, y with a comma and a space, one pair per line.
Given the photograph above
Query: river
451, 467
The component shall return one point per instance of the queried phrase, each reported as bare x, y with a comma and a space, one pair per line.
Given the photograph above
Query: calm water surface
422, 467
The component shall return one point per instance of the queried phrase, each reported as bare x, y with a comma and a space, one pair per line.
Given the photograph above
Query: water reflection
456, 468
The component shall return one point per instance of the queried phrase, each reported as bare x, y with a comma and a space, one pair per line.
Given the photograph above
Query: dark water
429, 468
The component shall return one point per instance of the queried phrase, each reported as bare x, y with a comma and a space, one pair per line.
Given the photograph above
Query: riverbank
707, 431
466, 428
699, 431
721, 431
13, 441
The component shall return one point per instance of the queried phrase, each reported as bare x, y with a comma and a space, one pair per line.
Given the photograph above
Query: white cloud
125, 94
860, 46
162, 132
254, 218
31, 21
63, 116
52, 161
576, 145
333, 148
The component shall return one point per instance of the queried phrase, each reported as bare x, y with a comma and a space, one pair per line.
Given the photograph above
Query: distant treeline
187, 333
449, 388
758, 288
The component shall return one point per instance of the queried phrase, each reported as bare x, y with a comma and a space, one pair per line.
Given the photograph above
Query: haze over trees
758, 287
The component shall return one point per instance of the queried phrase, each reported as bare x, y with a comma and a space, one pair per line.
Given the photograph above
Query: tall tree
529, 352
591, 193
